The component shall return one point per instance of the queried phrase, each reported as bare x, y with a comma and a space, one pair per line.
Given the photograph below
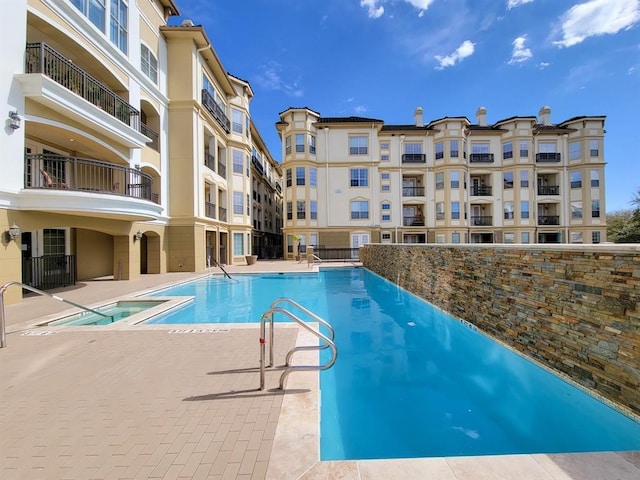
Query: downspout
326, 169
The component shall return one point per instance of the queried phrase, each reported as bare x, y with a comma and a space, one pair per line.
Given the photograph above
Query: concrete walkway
164, 402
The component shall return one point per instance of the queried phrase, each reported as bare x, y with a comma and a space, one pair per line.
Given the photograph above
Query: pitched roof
351, 119
386, 128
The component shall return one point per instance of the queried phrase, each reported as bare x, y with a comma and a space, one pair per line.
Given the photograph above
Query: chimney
545, 116
187, 23
481, 116
417, 115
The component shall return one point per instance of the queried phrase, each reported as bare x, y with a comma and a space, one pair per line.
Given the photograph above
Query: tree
623, 226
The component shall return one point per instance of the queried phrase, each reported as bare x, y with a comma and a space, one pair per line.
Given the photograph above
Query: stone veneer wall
573, 308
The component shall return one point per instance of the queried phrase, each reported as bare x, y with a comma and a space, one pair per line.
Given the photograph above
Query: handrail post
3, 335
262, 340
271, 339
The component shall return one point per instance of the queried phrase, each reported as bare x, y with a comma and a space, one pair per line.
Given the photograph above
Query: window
386, 217
248, 205
594, 150
508, 179
238, 244
386, 236
524, 178
548, 147
440, 238
385, 188
455, 210
289, 211
238, 205
595, 178
312, 144
299, 176
288, 177
386, 206
301, 210
53, 241
595, 208
439, 150
507, 150
508, 210
479, 148
524, 209
359, 209
313, 176
384, 146
358, 145
455, 179
576, 209
299, 142
359, 177
576, 237
524, 237
576, 179
509, 238
385, 176
455, 237
439, 180
440, 211
384, 152
453, 149
595, 237
94, 10
574, 150
237, 120
384, 157
149, 63
524, 149
386, 212
238, 162
413, 148
313, 209
287, 145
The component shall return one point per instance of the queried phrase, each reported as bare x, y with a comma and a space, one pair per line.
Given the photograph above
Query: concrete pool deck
162, 401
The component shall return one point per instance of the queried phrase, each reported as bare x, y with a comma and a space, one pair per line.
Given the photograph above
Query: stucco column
126, 258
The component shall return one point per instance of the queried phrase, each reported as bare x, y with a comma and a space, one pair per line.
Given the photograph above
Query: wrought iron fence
49, 271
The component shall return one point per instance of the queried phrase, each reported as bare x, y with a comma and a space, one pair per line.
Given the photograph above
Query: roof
386, 128
299, 108
539, 127
348, 120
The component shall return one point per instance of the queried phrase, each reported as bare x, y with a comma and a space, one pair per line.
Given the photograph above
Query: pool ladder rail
3, 288
278, 307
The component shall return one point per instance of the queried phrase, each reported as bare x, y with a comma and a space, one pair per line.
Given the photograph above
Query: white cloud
543, 65
375, 11
520, 52
597, 17
516, 3
466, 49
360, 109
270, 79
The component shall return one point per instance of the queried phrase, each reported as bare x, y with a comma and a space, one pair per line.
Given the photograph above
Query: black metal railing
49, 271
222, 169
413, 191
223, 214
414, 158
210, 160
480, 190
278, 187
57, 172
256, 163
336, 254
547, 157
414, 221
481, 158
481, 221
147, 131
40, 58
210, 209
548, 190
215, 110
548, 219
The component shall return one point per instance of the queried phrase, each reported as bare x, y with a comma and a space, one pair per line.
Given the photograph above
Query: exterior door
357, 240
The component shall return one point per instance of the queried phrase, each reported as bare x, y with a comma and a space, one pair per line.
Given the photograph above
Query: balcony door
357, 240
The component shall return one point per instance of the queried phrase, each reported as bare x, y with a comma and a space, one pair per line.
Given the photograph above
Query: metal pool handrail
3, 288
268, 315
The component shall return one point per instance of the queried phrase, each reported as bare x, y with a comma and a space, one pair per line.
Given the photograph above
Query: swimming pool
411, 381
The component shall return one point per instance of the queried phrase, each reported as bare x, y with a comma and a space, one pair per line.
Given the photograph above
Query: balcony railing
481, 221
415, 221
548, 190
215, 110
223, 214
40, 58
152, 134
414, 158
222, 169
56, 172
480, 191
481, 158
278, 187
256, 163
210, 160
547, 157
210, 209
413, 191
548, 219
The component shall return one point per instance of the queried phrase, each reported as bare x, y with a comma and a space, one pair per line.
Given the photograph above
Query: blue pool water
411, 381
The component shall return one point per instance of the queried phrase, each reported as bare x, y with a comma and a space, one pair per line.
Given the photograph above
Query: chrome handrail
3, 288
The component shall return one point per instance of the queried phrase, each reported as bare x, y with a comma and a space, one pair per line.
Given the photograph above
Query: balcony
481, 221
413, 191
210, 210
210, 160
415, 221
278, 187
481, 158
256, 163
152, 134
56, 172
547, 157
548, 190
414, 158
481, 191
40, 58
215, 110
548, 219
223, 214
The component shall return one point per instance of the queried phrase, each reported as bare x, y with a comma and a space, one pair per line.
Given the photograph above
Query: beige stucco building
351, 180
126, 149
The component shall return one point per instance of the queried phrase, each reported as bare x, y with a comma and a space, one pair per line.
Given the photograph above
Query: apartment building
119, 155
352, 180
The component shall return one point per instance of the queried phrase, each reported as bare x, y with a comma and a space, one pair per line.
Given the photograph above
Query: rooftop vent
186, 23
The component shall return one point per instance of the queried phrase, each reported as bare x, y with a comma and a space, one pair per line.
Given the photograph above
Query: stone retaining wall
574, 308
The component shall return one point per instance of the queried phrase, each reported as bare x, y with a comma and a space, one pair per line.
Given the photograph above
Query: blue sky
383, 58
